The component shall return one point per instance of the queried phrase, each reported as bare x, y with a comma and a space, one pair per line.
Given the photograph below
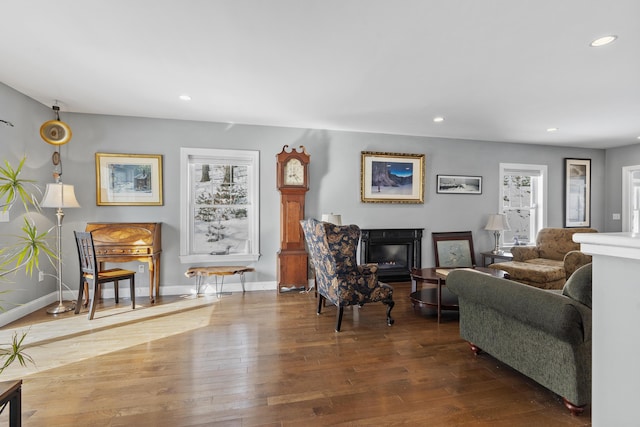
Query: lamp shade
497, 222
59, 195
332, 218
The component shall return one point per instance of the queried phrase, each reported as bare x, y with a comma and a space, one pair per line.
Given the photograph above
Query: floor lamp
59, 195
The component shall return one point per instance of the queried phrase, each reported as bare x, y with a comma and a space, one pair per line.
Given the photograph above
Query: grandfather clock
293, 184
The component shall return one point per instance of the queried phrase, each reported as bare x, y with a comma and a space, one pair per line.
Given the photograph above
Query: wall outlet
40, 276
4, 216
141, 268
616, 217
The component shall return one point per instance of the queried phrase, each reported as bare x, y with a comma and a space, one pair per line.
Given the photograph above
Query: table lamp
332, 218
497, 223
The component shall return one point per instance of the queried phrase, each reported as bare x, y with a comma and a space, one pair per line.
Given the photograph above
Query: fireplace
395, 250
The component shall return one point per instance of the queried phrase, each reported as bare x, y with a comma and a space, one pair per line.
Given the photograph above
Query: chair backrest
454, 249
332, 248
554, 243
86, 252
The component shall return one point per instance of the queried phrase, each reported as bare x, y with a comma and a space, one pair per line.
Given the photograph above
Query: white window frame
541, 203
188, 158
630, 200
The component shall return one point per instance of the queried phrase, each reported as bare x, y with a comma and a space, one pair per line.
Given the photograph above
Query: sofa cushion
532, 272
559, 265
578, 287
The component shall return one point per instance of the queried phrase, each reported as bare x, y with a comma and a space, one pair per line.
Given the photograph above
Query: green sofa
544, 334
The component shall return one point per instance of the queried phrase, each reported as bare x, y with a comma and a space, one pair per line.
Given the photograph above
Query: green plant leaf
13, 187
15, 352
25, 253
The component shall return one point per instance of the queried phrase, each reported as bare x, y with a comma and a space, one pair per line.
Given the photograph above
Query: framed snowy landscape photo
392, 177
219, 205
459, 184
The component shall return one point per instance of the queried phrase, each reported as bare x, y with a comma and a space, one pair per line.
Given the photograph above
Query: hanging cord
56, 159
6, 123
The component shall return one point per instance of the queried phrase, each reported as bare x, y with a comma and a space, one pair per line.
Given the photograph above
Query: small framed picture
454, 249
459, 184
128, 179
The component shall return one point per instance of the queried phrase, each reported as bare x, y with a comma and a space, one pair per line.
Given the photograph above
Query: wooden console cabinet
130, 241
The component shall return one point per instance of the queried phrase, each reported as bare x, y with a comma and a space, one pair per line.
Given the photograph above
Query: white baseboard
22, 310
107, 292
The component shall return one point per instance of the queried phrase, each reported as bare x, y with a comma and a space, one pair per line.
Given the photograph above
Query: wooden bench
201, 273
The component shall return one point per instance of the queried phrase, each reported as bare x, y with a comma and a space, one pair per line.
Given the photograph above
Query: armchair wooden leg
476, 350
320, 302
390, 303
574, 409
339, 318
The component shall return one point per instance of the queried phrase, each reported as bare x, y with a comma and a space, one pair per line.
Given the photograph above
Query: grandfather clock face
294, 172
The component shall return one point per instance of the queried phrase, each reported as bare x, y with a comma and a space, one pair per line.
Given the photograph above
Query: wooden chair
89, 274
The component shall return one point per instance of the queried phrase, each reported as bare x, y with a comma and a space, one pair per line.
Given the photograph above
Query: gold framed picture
392, 177
128, 179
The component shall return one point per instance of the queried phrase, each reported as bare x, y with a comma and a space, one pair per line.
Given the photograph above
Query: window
523, 195
631, 198
219, 201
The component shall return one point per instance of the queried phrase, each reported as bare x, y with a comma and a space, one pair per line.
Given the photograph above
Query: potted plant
24, 252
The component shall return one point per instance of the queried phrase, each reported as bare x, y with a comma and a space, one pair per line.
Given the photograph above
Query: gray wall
16, 142
334, 182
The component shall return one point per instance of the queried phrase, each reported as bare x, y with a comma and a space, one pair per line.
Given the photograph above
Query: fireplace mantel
396, 250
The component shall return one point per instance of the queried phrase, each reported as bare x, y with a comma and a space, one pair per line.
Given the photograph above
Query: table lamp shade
497, 222
59, 195
332, 218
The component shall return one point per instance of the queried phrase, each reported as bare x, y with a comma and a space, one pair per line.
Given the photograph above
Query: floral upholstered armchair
549, 263
340, 280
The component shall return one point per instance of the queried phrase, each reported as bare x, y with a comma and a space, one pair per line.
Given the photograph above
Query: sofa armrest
523, 253
551, 312
573, 260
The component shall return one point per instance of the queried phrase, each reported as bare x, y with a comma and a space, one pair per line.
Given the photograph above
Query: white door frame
628, 187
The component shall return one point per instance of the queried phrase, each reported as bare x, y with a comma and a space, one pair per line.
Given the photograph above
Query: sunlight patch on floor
74, 338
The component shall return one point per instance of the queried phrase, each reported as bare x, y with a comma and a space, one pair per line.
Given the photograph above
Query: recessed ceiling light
438, 119
603, 41
185, 97
552, 130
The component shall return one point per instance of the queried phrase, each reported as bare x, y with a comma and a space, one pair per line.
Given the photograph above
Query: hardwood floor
263, 359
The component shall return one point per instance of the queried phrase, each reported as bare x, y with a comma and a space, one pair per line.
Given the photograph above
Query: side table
435, 277
11, 394
505, 256
200, 273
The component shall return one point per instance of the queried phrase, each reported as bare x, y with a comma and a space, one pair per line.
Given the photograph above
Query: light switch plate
4, 216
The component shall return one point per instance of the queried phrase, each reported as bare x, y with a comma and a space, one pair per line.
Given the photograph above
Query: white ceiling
497, 70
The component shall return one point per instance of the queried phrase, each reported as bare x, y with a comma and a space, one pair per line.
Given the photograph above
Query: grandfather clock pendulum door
293, 183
